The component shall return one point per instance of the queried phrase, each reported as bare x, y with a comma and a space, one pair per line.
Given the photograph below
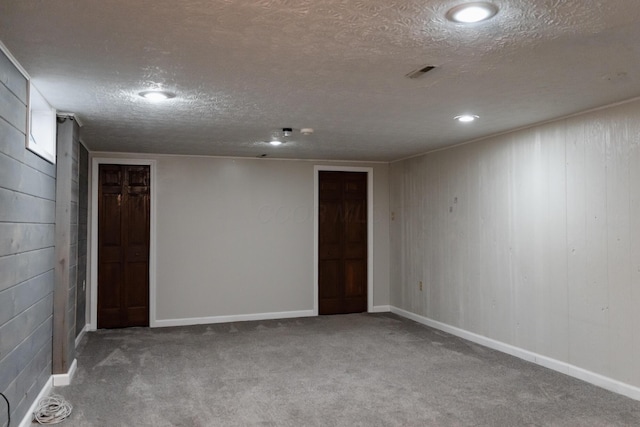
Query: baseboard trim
233, 318
607, 383
28, 417
65, 379
81, 334
380, 309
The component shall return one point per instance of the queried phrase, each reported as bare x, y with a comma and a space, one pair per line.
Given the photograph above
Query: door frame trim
95, 163
316, 221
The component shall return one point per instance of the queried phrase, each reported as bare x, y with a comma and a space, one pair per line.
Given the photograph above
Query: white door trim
96, 161
316, 222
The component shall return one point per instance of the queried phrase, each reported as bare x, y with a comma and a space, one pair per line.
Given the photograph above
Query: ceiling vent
416, 74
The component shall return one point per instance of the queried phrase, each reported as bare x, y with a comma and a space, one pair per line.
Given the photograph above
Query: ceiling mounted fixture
306, 131
157, 95
278, 138
470, 13
466, 118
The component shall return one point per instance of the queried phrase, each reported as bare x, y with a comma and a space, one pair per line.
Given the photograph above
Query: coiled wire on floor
52, 410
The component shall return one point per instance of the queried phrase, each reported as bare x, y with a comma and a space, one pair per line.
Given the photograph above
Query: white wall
530, 238
235, 236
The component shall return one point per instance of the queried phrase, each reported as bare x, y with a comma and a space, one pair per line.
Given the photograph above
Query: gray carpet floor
353, 370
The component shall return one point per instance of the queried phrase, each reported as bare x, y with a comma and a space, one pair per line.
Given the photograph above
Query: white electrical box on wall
42, 126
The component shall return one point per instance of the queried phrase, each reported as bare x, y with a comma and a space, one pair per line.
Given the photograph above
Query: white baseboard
81, 334
65, 379
380, 309
233, 318
28, 417
574, 371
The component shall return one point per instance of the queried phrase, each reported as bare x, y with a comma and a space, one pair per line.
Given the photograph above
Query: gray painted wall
27, 213
531, 238
236, 236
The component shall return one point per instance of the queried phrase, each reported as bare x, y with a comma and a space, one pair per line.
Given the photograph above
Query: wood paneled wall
83, 217
66, 270
531, 238
27, 214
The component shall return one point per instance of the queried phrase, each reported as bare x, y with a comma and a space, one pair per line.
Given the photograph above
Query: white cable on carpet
52, 410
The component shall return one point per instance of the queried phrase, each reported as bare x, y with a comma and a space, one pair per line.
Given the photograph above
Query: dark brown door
342, 263
123, 246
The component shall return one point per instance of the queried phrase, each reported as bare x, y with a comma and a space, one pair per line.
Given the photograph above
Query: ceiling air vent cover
415, 74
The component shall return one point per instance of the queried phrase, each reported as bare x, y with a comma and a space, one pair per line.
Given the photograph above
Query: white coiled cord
52, 410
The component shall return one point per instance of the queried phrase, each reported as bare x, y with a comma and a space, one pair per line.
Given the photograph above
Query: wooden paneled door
342, 239
123, 245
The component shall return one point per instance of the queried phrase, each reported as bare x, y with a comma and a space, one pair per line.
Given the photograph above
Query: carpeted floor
353, 370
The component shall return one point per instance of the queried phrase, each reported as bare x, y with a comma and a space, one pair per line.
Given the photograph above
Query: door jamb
96, 161
316, 222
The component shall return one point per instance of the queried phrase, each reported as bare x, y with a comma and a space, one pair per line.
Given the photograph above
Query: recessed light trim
156, 95
471, 13
466, 118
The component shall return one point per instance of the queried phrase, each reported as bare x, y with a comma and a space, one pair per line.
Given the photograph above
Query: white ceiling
242, 69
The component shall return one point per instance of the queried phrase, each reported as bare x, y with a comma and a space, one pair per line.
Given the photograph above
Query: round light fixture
157, 95
275, 142
466, 118
470, 13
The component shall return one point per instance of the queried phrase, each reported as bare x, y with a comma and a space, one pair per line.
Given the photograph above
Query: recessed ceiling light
469, 13
466, 118
156, 95
275, 142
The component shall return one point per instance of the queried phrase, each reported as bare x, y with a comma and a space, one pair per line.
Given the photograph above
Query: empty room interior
320, 212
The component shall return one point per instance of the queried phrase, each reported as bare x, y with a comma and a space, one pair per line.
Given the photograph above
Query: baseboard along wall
84, 330
247, 317
607, 383
27, 420
65, 379
56, 380
231, 318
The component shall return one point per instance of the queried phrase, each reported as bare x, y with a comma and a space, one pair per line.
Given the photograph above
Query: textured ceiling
243, 69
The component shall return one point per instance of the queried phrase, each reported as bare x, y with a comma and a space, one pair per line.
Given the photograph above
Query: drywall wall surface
530, 238
27, 216
236, 236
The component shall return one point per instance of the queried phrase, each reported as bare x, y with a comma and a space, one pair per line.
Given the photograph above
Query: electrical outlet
84, 285
420, 285
393, 216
